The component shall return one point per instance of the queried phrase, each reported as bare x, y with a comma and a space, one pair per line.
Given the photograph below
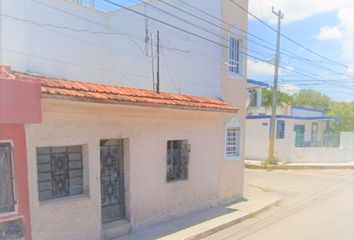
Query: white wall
188, 64
257, 138
322, 155
347, 139
300, 112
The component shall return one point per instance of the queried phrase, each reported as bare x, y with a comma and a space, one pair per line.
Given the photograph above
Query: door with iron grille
112, 180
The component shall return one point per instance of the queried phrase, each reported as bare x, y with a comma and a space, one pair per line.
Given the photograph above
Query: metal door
299, 135
112, 180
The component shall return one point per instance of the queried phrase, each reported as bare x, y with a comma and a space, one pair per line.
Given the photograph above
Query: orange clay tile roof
90, 92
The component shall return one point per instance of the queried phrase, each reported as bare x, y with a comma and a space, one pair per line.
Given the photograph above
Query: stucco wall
324, 155
187, 64
257, 138
347, 139
14, 134
149, 197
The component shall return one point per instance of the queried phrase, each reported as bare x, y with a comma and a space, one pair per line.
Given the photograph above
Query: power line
288, 38
180, 29
199, 36
73, 29
106, 26
194, 25
284, 52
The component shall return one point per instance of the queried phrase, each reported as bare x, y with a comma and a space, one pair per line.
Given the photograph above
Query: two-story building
101, 152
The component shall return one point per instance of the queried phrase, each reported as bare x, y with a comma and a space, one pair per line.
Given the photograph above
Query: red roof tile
84, 91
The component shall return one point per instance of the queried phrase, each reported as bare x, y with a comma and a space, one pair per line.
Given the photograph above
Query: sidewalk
254, 164
205, 223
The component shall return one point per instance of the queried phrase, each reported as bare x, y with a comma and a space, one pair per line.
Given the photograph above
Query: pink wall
15, 133
20, 101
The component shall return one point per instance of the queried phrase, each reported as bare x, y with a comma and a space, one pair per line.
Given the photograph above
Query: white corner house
109, 154
302, 134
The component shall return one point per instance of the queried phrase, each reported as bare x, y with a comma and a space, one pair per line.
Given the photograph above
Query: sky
325, 26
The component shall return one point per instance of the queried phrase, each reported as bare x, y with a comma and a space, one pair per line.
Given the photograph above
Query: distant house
88, 149
298, 129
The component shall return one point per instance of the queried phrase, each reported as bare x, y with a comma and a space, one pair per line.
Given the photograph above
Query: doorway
112, 180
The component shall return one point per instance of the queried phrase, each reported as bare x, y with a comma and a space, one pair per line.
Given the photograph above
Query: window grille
60, 172
280, 129
177, 160
233, 141
235, 56
7, 195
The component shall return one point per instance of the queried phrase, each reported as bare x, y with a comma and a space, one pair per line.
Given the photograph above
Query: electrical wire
288, 38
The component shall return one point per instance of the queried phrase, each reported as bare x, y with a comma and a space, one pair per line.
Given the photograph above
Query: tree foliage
345, 112
317, 100
267, 96
312, 98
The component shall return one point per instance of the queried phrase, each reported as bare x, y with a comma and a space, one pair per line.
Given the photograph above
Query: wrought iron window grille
7, 191
60, 172
177, 160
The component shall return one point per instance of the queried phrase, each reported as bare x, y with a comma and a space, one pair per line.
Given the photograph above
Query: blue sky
327, 30
325, 26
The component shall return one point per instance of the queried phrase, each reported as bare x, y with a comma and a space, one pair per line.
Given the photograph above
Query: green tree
345, 112
267, 96
312, 98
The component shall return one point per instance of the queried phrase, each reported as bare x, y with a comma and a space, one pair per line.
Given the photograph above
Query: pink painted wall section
15, 134
20, 101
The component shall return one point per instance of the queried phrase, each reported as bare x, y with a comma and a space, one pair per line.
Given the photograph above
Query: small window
7, 195
59, 172
235, 55
177, 160
253, 97
280, 129
233, 140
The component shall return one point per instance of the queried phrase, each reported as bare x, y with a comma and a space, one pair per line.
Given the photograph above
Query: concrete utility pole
158, 64
275, 89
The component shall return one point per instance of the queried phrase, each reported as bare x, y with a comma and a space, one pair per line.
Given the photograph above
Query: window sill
9, 215
176, 180
237, 158
235, 75
64, 200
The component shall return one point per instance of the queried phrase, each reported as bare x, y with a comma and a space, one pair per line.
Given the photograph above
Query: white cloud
289, 88
295, 10
346, 18
343, 33
259, 68
330, 33
350, 69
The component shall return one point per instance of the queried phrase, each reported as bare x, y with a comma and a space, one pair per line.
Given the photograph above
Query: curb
231, 223
298, 167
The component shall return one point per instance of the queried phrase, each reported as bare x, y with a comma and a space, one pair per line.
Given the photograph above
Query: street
317, 204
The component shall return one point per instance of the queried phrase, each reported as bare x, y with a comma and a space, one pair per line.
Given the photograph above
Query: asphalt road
317, 204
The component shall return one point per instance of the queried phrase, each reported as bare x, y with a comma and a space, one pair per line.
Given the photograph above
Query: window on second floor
235, 55
7, 195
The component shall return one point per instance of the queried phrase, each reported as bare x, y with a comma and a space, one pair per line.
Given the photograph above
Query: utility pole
152, 60
158, 63
280, 16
